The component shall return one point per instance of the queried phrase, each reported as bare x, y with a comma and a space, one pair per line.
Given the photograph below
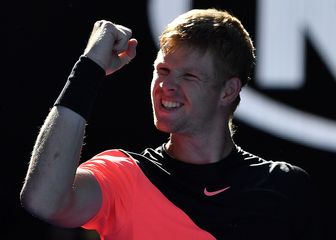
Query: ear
230, 91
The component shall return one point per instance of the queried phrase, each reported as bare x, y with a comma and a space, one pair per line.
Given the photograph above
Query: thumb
130, 53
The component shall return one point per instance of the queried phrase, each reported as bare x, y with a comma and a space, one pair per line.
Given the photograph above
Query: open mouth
170, 104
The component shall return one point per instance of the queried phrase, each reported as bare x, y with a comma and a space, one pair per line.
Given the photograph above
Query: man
197, 185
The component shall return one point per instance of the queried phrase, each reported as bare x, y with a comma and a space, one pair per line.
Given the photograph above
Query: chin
163, 127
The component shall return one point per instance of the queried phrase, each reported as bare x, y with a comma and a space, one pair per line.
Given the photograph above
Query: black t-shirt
240, 197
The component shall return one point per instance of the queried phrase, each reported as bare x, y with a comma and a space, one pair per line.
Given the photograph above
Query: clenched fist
110, 46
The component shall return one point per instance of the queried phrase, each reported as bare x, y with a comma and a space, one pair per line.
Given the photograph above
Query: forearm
53, 163
48, 191
48, 188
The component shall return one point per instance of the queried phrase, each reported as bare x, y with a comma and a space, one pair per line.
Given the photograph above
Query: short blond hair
216, 31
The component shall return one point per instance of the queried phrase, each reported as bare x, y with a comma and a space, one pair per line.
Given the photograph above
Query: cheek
194, 92
154, 80
205, 100
154, 87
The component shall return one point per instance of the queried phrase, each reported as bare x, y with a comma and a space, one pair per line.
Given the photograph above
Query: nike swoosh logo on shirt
213, 193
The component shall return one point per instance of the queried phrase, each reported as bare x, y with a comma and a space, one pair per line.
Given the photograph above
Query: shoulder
273, 167
280, 176
110, 161
123, 158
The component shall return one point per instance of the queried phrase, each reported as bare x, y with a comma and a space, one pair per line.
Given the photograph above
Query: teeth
169, 104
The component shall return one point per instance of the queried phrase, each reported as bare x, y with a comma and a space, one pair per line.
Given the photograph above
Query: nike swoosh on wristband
213, 193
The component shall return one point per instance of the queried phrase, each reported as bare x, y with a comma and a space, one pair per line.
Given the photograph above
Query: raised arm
53, 189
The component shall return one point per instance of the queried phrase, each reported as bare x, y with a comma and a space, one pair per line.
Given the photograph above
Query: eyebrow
195, 71
198, 72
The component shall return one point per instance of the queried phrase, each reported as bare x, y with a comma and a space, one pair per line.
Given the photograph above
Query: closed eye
162, 71
190, 77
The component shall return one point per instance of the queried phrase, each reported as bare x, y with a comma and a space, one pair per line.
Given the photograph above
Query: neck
199, 150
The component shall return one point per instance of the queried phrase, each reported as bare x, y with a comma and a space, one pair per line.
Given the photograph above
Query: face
185, 93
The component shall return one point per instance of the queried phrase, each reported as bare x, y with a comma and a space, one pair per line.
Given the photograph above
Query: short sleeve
116, 174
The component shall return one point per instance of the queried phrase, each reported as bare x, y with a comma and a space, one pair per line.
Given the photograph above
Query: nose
169, 83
